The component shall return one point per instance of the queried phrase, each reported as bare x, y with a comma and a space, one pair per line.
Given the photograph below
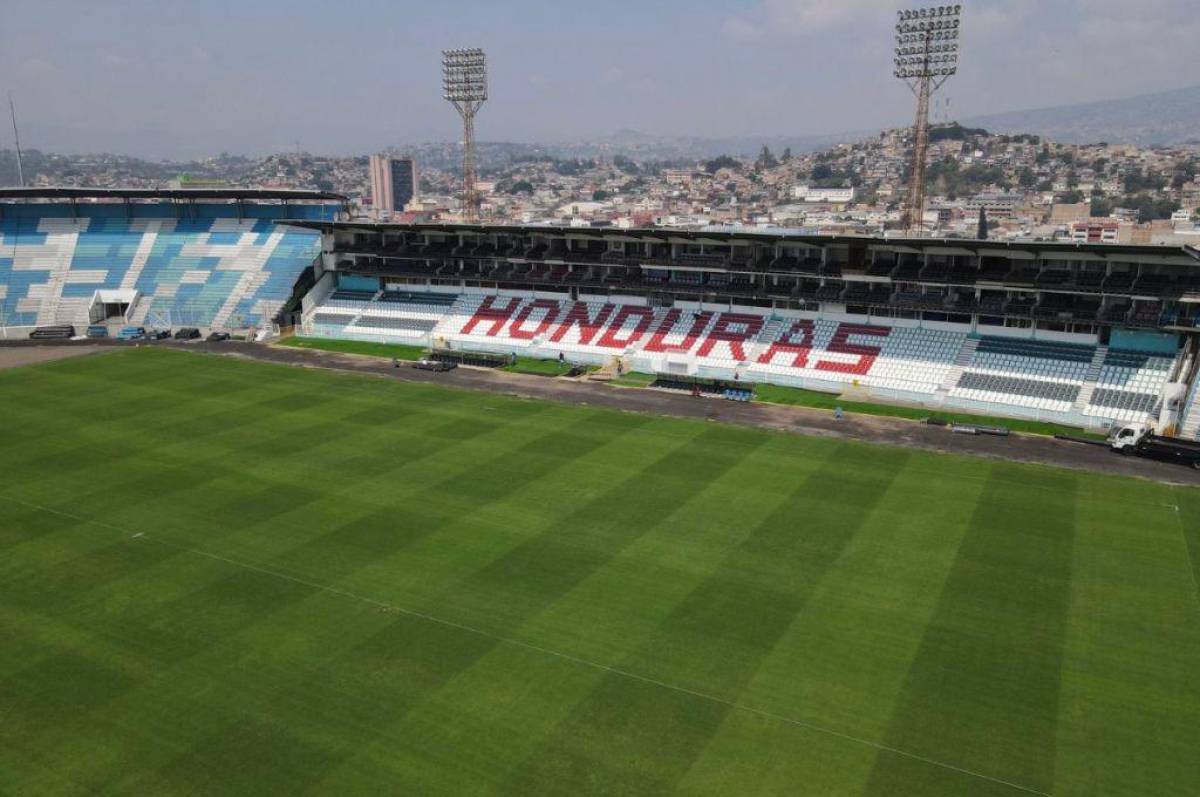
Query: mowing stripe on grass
266, 571
454, 498
1130, 654
703, 643
986, 679
590, 535
884, 585
1187, 512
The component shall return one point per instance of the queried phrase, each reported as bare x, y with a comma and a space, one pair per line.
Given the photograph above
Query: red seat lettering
588, 327
658, 343
609, 339
789, 344
734, 329
841, 344
489, 313
551, 308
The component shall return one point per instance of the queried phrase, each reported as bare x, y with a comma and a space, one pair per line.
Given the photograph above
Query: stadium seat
1130, 386
211, 269
1032, 374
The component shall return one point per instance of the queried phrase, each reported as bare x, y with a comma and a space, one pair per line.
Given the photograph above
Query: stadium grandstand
1081, 334
207, 258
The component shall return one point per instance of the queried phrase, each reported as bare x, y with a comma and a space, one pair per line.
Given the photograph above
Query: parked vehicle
131, 333
217, 337
433, 365
160, 334
1139, 439
187, 333
97, 331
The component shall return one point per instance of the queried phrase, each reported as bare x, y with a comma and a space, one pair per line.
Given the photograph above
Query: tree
599, 195
1027, 178
1150, 208
766, 160
626, 165
787, 155
1073, 197
1101, 207
521, 187
1045, 186
721, 162
982, 233
822, 171
1137, 181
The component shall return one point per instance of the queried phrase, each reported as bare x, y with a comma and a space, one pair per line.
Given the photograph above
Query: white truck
1139, 439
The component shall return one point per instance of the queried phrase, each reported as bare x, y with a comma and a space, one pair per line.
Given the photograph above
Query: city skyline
173, 80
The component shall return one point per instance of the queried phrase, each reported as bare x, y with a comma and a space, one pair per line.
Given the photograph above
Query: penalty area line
511, 641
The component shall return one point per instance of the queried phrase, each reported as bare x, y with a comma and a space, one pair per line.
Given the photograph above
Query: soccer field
225, 577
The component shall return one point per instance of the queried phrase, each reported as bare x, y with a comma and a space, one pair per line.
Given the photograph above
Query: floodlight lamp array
927, 42
464, 75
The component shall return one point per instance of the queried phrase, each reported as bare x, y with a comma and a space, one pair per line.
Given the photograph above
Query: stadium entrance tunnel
108, 304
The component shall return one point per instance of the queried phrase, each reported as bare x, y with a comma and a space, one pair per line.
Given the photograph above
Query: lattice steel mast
927, 46
464, 84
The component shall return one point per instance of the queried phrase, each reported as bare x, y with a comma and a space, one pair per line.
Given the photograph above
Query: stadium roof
73, 192
1063, 250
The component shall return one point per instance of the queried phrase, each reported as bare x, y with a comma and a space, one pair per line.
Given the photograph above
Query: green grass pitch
225, 577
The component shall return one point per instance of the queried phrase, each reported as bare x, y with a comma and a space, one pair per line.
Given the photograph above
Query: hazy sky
162, 78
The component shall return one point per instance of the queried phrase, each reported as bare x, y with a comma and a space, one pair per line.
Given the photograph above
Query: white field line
1187, 549
535, 648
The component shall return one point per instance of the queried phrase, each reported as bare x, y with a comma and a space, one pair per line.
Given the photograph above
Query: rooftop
73, 193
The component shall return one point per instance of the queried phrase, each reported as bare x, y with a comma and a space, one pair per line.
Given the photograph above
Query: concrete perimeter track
1034, 449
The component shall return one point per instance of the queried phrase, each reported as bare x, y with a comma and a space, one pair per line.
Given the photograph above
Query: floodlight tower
926, 57
464, 84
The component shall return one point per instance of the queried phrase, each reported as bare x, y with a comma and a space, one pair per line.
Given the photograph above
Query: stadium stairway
140, 255
66, 237
248, 285
1190, 425
961, 362
1090, 380
771, 333
136, 315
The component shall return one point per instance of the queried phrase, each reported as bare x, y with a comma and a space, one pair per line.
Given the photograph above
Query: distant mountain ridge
1163, 118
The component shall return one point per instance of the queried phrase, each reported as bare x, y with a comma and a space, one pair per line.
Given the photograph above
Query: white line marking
1187, 549
539, 649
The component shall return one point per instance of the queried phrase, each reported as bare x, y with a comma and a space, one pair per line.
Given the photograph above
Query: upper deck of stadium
719, 237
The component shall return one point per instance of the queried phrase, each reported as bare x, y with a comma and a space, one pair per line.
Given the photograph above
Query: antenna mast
17, 138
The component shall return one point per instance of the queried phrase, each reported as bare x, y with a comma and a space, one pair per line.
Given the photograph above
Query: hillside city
1025, 187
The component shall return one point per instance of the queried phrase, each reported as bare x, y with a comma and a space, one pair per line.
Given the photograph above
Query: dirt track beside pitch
1033, 449
16, 356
